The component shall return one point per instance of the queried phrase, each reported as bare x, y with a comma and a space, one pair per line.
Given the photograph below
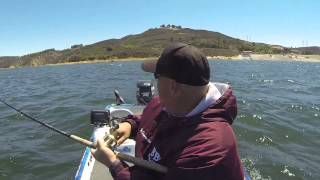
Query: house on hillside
173, 27
246, 54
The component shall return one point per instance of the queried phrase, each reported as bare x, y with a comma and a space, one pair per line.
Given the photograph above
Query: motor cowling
145, 91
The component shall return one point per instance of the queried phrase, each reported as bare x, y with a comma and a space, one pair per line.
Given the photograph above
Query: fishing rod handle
142, 163
84, 141
136, 161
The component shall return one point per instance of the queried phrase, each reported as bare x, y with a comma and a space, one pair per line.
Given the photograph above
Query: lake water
277, 126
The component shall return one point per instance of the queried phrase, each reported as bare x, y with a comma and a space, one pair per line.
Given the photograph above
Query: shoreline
253, 57
86, 62
100, 61
271, 57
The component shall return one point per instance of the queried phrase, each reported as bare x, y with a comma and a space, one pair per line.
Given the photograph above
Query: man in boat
187, 128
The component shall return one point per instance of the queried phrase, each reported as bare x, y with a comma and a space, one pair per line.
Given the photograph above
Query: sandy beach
255, 57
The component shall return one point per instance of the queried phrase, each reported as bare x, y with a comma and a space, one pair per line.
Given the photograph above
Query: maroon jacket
200, 147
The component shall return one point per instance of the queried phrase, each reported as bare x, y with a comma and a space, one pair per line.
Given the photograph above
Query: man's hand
123, 131
103, 154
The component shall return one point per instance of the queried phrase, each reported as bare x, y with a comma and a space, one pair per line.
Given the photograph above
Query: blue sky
28, 26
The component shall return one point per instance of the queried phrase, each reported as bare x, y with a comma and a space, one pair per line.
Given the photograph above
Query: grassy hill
307, 50
7, 61
147, 44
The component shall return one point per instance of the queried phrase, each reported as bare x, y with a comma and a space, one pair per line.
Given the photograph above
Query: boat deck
100, 172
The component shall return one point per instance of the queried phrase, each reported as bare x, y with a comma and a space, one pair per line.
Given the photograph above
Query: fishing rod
137, 161
74, 137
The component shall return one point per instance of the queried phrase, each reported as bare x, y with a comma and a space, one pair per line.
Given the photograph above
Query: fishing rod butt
142, 163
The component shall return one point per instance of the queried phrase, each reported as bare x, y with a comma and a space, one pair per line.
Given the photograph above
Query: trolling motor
119, 99
145, 91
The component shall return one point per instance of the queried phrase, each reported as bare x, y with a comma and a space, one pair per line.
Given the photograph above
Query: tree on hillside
76, 46
109, 49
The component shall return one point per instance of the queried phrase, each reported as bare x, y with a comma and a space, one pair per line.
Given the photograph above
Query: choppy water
277, 125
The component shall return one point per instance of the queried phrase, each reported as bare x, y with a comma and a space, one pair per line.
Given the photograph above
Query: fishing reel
110, 138
100, 118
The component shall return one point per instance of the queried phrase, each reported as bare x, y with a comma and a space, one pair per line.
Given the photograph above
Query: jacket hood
221, 109
224, 108
218, 105
215, 91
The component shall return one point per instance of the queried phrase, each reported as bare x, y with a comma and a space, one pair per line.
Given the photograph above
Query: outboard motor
145, 91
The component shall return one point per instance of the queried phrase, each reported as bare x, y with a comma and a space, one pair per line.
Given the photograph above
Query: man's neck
186, 103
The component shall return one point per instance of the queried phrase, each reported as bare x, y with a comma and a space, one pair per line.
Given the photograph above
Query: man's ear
173, 87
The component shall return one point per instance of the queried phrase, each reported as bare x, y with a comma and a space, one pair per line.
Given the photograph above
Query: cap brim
149, 65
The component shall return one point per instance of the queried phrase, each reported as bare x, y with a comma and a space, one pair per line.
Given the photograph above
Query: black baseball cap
182, 62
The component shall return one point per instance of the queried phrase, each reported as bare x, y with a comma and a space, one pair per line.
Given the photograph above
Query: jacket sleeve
121, 171
134, 121
149, 112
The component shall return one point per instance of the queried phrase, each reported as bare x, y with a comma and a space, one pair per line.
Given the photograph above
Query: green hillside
147, 44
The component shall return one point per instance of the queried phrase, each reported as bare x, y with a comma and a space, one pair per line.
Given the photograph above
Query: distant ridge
307, 50
150, 44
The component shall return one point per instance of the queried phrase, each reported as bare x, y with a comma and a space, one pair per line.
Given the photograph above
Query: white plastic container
127, 147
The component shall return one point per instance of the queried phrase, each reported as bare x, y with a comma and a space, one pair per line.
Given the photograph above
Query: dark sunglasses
156, 75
